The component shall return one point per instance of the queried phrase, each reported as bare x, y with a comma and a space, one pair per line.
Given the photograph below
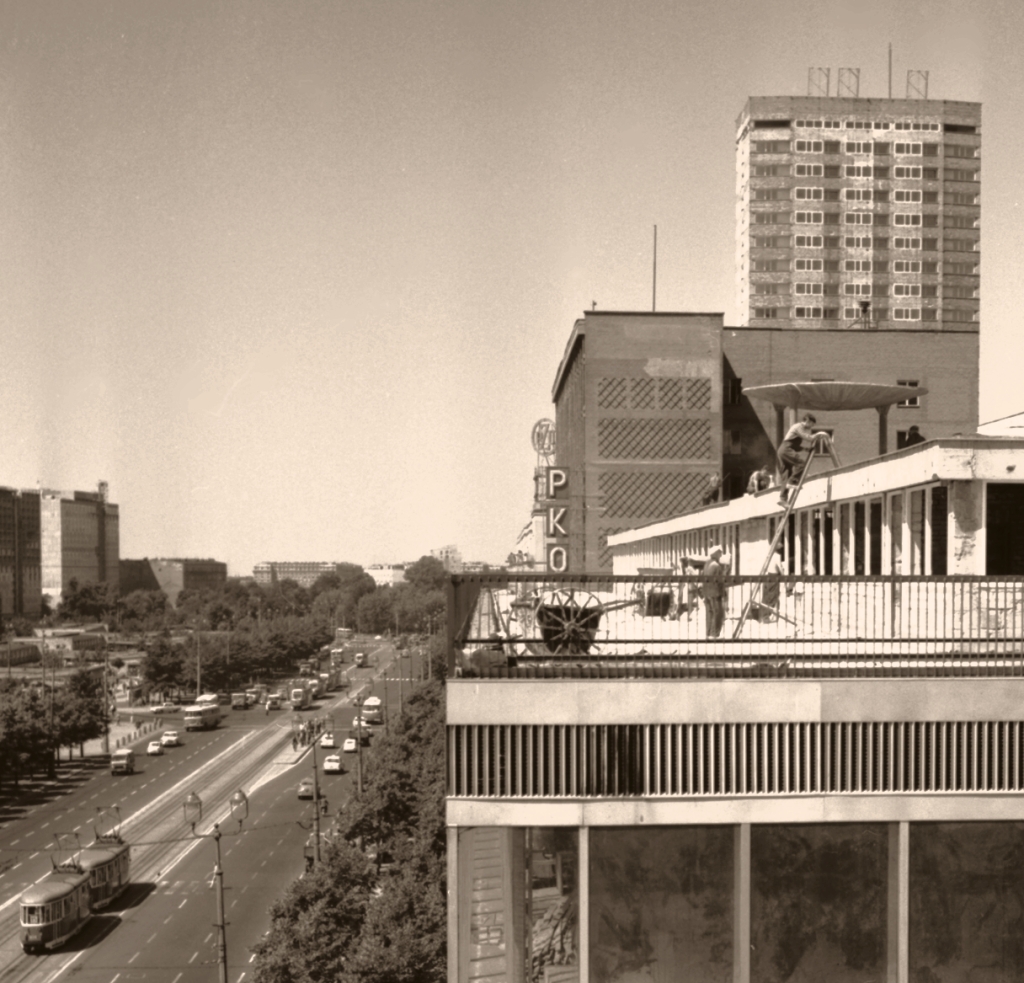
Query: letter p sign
558, 479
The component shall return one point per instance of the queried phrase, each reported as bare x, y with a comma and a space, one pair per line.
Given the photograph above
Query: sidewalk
132, 728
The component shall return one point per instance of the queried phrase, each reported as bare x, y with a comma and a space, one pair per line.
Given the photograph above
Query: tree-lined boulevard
162, 927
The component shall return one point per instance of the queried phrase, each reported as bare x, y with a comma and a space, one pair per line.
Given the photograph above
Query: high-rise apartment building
80, 533
859, 213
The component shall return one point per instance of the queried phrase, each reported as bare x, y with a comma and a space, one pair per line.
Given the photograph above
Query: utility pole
222, 939
106, 700
316, 808
400, 654
359, 752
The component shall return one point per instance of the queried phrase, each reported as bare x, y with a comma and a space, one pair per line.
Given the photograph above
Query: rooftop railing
568, 626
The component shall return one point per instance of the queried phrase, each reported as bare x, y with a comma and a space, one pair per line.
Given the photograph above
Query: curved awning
833, 396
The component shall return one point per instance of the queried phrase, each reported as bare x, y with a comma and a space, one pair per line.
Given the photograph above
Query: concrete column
967, 529
741, 904
897, 948
583, 912
453, 904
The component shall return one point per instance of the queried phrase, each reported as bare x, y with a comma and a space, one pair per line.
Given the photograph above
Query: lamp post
193, 810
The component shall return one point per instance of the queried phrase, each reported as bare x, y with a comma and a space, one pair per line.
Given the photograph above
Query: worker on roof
795, 452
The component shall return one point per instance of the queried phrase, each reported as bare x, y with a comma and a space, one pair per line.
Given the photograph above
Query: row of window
875, 314
908, 195
875, 243
868, 147
864, 124
868, 289
899, 219
813, 264
903, 172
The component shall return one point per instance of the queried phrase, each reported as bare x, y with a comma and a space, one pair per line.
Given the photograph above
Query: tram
61, 903
202, 716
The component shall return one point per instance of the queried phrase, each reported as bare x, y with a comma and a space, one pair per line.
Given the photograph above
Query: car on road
154, 747
170, 739
273, 703
166, 708
306, 788
376, 638
332, 764
328, 742
349, 747
360, 659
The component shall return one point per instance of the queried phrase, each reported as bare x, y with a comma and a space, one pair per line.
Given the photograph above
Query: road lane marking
207, 939
194, 955
182, 905
76, 829
14, 842
239, 980
44, 825
168, 918
178, 977
136, 956
114, 980
34, 855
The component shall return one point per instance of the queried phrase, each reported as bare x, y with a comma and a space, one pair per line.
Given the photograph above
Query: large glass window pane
967, 902
818, 903
661, 904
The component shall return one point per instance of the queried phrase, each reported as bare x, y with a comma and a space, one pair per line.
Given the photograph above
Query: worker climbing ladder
822, 445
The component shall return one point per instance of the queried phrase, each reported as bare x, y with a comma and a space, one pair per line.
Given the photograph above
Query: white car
349, 747
170, 739
332, 763
166, 708
376, 638
328, 742
154, 747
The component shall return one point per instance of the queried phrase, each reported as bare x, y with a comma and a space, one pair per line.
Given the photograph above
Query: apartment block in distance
858, 213
80, 539
20, 591
172, 576
303, 572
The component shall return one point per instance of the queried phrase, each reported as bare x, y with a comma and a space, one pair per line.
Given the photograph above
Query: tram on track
61, 903
202, 716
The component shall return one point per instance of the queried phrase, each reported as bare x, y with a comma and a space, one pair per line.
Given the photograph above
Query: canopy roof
833, 395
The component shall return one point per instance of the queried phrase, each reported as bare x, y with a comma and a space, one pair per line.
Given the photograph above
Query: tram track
159, 839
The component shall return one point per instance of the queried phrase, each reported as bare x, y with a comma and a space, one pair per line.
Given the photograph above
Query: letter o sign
558, 559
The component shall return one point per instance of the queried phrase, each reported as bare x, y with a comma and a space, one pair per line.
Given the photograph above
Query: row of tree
37, 721
348, 920
348, 597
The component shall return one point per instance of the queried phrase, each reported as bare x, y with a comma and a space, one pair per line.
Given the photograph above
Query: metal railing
815, 627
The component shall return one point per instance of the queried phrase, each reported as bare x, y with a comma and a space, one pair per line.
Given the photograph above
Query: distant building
172, 576
303, 572
20, 592
80, 539
450, 557
387, 574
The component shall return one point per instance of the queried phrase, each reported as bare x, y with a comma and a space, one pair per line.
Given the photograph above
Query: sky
295, 277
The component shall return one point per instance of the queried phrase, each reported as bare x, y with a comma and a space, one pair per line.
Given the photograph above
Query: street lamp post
193, 809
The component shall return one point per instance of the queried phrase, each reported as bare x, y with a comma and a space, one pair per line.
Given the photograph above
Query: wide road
171, 905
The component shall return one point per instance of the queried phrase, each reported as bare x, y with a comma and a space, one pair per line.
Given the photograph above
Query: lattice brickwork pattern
649, 495
604, 552
645, 393
655, 439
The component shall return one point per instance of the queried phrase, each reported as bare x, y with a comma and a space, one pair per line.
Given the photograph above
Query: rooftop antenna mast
654, 282
890, 69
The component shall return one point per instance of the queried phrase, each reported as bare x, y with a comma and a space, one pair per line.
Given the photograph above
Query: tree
373, 613
87, 602
427, 574
143, 610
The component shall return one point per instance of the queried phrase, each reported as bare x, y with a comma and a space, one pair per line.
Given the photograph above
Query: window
899, 242
808, 218
807, 312
910, 400
733, 391
857, 289
930, 197
831, 266
771, 194
958, 316
914, 125
808, 170
767, 170
906, 290
831, 242
960, 269
858, 242
807, 288
932, 244
771, 242
858, 124
768, 218
832, 170
907, 172
859, 170
906, 266
859, 147
907, 149
958, 174
809, 194
904, 195
930, 173
809, 242
929, 290
857, 265
858, 194
859, 218
960, 150
767, 265
769, 288
905, 218
853, 313
961, 293
906, 313
769, 313
959, 245
831, 218
832, 146
879, 243
930, 268
960, 198
808, 146
929, 314
771, 147
812, 265
961, 222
